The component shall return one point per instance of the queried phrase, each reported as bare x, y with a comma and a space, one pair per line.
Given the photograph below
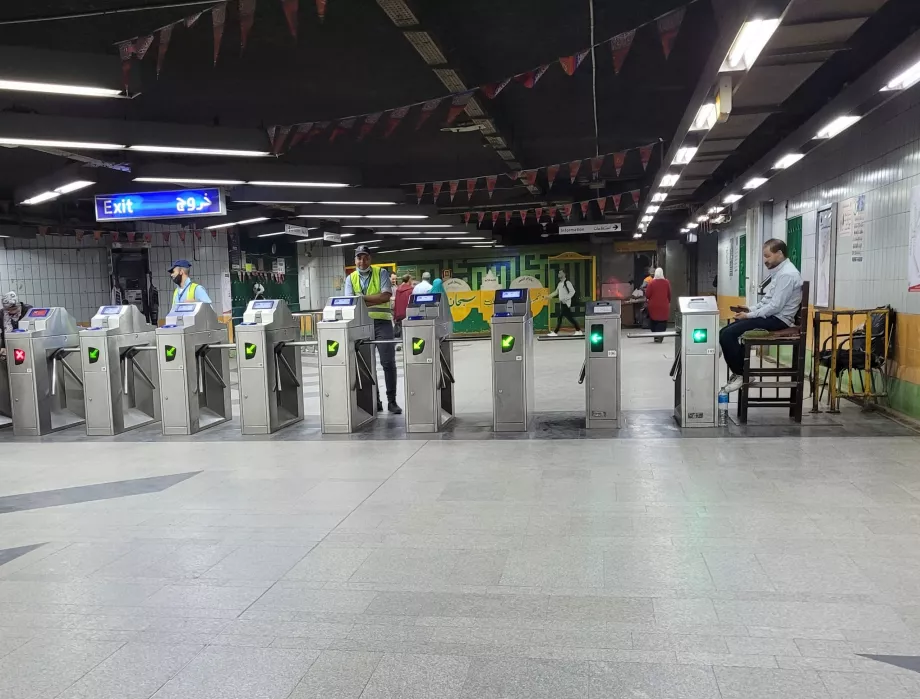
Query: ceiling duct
398, 12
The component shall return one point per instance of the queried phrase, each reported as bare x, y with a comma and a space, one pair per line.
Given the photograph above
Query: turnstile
512, 361
193, 358
347, 365
119, 371
46, 382
601, 372
429, 363
271, 371
696, 384
6, 407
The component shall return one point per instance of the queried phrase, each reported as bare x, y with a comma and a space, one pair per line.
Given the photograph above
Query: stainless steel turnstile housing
119, 371
193, 356
429, 363
512, 361
271, 371
602, 365
46, 381
6, 406
696, 386
347, 366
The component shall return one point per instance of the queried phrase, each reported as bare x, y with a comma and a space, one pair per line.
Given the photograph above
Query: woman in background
438, 286
658, 299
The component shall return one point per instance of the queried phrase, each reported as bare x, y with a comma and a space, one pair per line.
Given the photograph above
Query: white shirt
423, 287
565, 291
783, 295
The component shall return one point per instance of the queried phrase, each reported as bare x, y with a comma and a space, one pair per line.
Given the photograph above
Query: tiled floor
650, 565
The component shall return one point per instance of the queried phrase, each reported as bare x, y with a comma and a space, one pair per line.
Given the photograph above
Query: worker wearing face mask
187, 291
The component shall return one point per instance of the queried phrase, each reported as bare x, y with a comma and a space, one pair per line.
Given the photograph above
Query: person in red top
401, 302
658, 299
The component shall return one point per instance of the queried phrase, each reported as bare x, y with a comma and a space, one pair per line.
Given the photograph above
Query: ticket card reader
347, 366
429, 363
271, 372
602, 365
696, 385
119, 371
512, 361
46, 379
193, 357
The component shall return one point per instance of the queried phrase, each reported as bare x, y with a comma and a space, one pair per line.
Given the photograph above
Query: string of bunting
566, 210
124, 236
668, 27
136, 48
529, 177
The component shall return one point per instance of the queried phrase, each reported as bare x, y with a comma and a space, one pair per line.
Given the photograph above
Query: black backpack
575, 299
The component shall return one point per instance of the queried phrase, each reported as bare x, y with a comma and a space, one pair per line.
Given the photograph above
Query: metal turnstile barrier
46, 383
512, 361
601, 373
6, 405
271, 370
194, 365
429, 363
119, 371
347, 366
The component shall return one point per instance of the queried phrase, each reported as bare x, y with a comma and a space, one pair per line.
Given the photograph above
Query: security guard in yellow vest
187, 291
373, 283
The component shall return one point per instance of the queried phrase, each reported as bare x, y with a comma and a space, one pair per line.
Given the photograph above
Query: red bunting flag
470, 187
247, 17
148, 236
620, 45
601, 204
531, 77
420, 191
342, 128
131, 236
466, 216
197, 232
370, 121
567, 211
142, 45
596, 164
291, 10
214, 233
508, 217
218, 19
278, 137
491, 181
191, 19
645, 152
668, 28
125, 52
495, 217
584, 208
165, 237
321, 9
182, 235
616, 201
97, 235
571, 63
482, 216
301, 131
551, 172
539, 213
492, 90
317, 129
396, 117
163, 46
619, 160
427, 110
453, 185
79, 235
530, 177
636, 193
552, 213
523, 213
436, 188
574, 167
457, 105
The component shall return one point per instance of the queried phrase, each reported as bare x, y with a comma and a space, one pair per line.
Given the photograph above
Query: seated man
776, 311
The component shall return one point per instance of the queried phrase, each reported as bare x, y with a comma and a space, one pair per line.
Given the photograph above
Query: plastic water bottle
723, 409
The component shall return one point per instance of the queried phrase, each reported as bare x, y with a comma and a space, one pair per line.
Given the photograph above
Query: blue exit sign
146, 205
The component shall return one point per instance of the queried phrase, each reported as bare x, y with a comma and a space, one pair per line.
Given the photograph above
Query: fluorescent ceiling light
653, 209
266, 183
355, 242
43, 197
424, 225
685, 155
422, 240
307, 240
357, 203
407, 217
188, 180
445, 232
45, 143
486, 246
837, 126
747, 46
714, 210
181, 150
684, 229
332, 217
73, 186
693, 226
669, 180
347, 235
237, 223
732, 198
755, 182
271, 235
55, 89
637, 235
788, 161
702, 219
705, 118
647, 218
384, 225
401, 250
908, 78
659, 197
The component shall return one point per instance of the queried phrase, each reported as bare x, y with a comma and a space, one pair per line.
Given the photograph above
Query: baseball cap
362, 250
180, 263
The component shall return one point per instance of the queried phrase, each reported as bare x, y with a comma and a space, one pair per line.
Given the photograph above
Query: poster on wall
913, 257
825, 247
859, 230
226, 296
845, 217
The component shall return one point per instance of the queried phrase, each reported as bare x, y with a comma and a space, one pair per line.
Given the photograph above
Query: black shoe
379, 407
392, 407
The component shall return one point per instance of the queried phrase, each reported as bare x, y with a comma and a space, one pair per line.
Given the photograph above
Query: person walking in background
658, 300
401, 302
438, 286
424, 286
565, 292
11, 312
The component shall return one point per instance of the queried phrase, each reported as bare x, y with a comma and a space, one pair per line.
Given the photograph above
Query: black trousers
383, 330
658, 326
563, 311
730, 339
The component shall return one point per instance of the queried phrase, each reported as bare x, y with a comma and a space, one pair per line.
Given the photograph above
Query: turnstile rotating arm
445, 370
584, 372
59, 355
668, 333
361, 366
208, 364
140, 372
284, 362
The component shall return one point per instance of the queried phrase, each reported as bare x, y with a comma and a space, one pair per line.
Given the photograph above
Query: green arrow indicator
507, 343
418, 345
332, 348
170, 353
93, 353
250, 350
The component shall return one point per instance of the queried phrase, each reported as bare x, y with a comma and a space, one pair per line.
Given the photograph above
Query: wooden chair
791, 378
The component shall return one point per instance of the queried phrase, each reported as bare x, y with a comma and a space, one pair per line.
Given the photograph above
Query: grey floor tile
745, 683
404, 676
522, 678
737, 570
645, 681
300, 597
46, 667
337, 675
257, 563
328, 563
815, 573
842, 685
554, 568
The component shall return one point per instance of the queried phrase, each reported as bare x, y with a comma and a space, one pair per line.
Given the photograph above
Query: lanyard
365, 284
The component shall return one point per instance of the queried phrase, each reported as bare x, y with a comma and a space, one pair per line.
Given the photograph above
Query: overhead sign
591, 228
332, 237
182, 203
291, 229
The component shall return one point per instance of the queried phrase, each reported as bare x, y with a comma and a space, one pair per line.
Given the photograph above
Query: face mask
177, 280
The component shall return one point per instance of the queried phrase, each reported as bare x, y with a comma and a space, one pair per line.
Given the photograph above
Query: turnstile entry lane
46, 383
194, 365
271, 371
512, 361
120, 371
428, 360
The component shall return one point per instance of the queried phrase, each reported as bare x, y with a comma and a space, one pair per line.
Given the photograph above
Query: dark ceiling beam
757, 109
102, 13
807, 50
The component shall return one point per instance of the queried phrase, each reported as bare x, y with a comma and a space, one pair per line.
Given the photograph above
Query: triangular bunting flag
197, 233
165, 237
219, 19
191, 19
97, 235
539, 213
247, 17
570, 63
567, 211
163, 46
491, 181
125, 52
620, 45
457, 105
530, 177
142, 45
291, 10
79, 235
482, 216
523, 213
508, 217
131, 236
514, 175
596, 164
494, 218
636, 194
279, 137
552, 213
619, 160
420, 191
584, 208
531, 77
370, 121
321, 9
668, 28
574, 167
470, 187
551, 172
453, 185
427, 109
645, 152
466, 216
149, 236
182, 235
436, 188
214, 233
342, 128
601, 204
300, 133
616, 201
396, 117
492, 90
